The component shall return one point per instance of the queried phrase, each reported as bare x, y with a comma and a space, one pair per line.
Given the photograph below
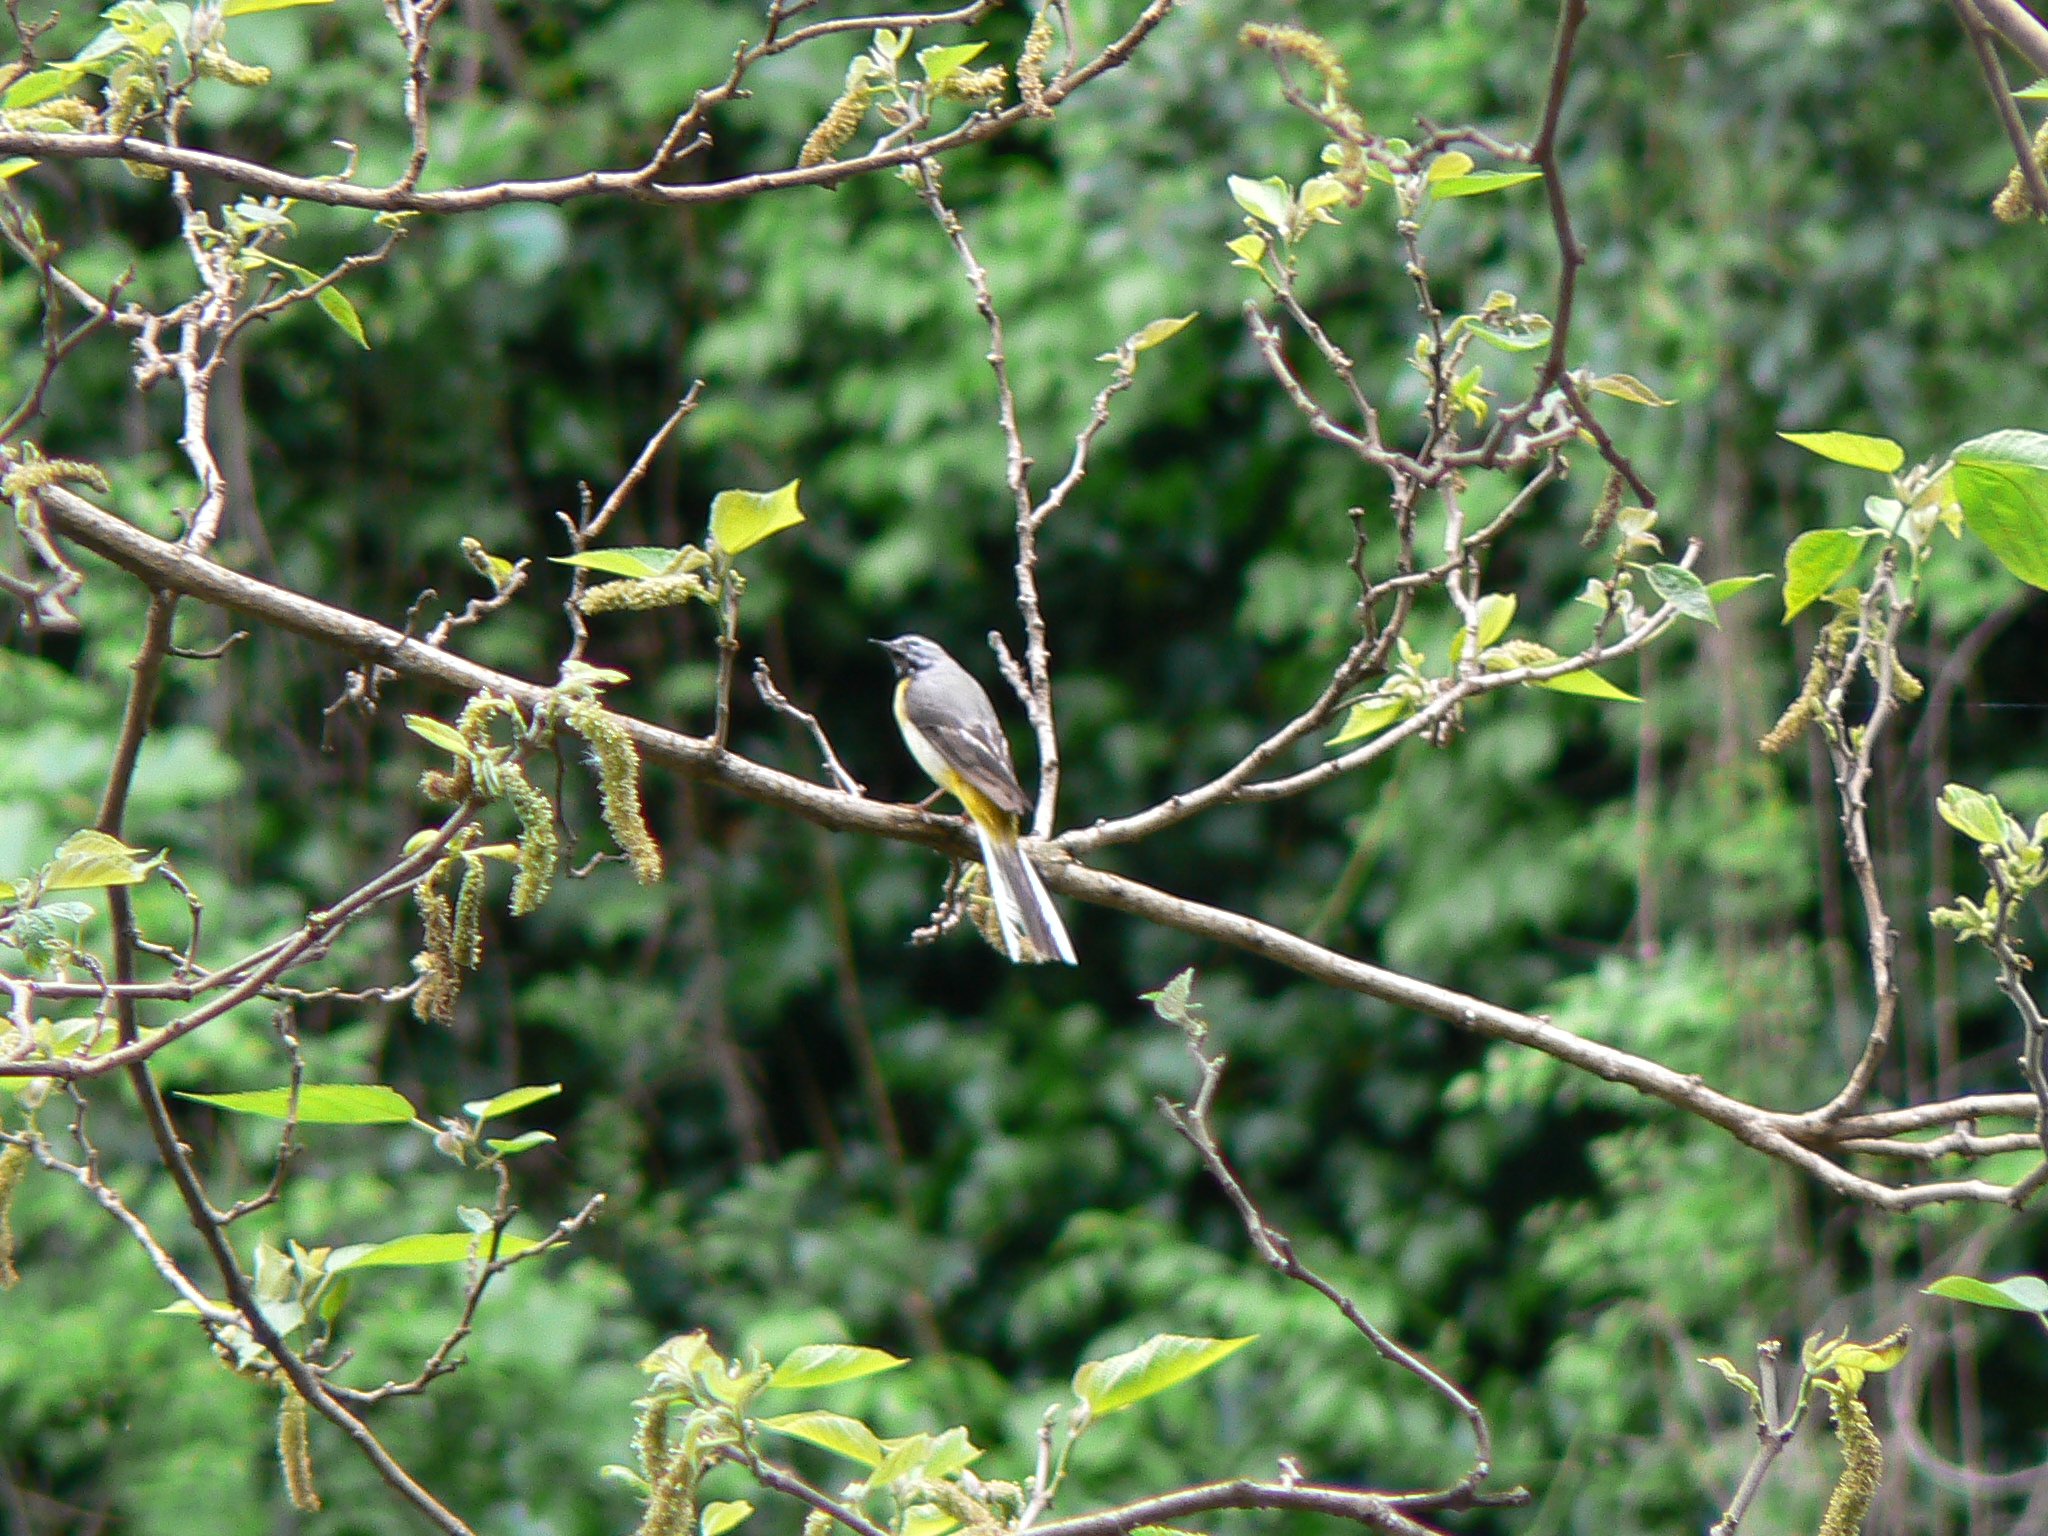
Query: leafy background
1785, 202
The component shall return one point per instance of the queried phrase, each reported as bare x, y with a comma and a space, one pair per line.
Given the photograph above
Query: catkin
2015, 205
434, 1003
1862, 1465
638, 592
14, 1161
1031, 64
1604, 511
467, 941
618, 785
293, 1454
1299, 43
538, 846
836, 129
975, 84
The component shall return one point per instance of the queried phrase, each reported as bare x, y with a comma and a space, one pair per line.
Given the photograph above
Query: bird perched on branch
952, 730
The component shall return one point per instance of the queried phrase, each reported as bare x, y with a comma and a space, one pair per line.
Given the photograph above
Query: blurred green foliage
1785, 205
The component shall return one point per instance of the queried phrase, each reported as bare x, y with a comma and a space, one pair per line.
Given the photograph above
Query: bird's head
912, 654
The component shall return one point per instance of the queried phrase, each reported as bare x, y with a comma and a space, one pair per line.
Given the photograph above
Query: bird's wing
962, 729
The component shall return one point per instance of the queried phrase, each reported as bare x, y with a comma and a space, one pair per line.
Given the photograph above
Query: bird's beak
888, 645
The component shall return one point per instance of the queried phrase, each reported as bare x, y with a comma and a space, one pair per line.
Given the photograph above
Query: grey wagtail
951, 729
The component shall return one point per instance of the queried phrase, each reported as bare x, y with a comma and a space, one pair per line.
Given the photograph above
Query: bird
952, 730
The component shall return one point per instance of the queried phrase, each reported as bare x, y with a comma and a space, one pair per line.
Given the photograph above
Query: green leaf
833, 1431
2022, 1293
1720, 591
2001, 482
2038, 91
1588, 685
950, 1452
518, 1144
1683, 591
319, 1104
509, 1100
1872, 1358
927, 1520
942, 64
1511, 331
1817, 560
1268, 201
1248, 249
252, 7
1480, 182
1371, 714
1162, 1361
446, 737
429, 1248
824, 1365
722, 1515
41, 85
1878, 453
1152, 334
9, 169
332, 301
1322, 192
1496, 613
1973, 813
640, 560
87, 860
1737, 1378
742, 519
1626, 386
1447, 167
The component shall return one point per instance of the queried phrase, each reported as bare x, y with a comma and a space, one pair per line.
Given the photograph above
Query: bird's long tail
1032, 930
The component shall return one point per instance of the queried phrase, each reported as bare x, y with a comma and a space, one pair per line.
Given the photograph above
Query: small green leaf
332, 301
1269, 201
742, 519
1322, 192
1372, 714
642, 560
942, 64
2038, 91
319, 1104
1720, 591
832, 1431
1150, 335
1817, 560
428, 1248
722, 1515
1248, 249
509, 1100
900, 1459
2001, 482
39, 86
1878, 453
1737, 1378
1683, 591
87, 860
1480, 182
927, 1520
9, 169
1626, 386
446, 737
1162, 1361
1496, 613
1448, 167
1588, 685
1871, 1358
950, 1452
825, 1365
518, 1144
2022, 1293
1973, 813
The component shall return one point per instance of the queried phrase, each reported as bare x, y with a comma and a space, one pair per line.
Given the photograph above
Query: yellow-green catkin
837, 128
60, 114
642, 592
14, 1161
1031, 64
214, 64
1827, 655
2015, 205
975, 84
617, 763
1862, 1464
466, 943
434, 1003
293, 1454
538, 846
1299, 43
1604, 511
980, 906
